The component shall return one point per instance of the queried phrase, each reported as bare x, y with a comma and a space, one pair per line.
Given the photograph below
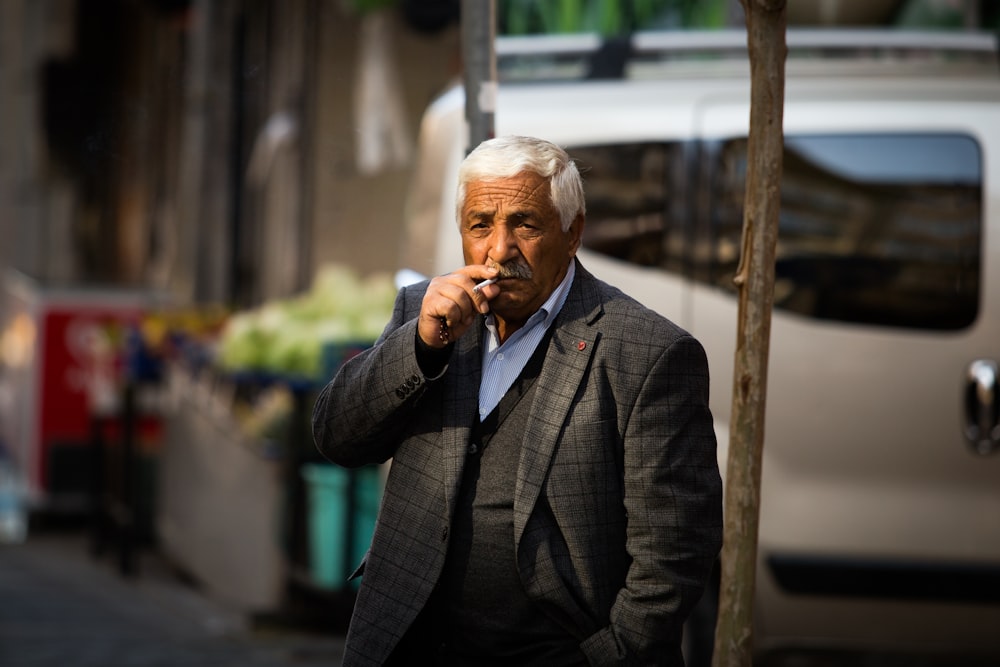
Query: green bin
338, 536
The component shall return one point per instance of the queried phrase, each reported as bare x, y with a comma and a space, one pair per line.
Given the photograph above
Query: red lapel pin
581, 345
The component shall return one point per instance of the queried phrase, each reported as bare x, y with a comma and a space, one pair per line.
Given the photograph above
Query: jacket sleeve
673, 500
358, 417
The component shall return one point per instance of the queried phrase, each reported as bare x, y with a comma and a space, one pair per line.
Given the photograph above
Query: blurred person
554, 496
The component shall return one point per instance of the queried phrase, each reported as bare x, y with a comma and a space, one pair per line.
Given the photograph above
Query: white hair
510, 155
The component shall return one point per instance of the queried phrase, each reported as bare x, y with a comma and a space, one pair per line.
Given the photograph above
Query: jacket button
400, 393
444, 534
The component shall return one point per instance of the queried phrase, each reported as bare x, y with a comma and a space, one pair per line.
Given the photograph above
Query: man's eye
527, 227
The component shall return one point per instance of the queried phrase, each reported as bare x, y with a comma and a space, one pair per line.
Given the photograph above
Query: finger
446, 310
479, 278
480, 275
455, 300
482, 293
452, 299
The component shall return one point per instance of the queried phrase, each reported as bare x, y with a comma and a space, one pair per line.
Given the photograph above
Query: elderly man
554, 497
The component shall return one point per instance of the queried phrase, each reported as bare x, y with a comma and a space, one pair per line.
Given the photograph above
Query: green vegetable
292, 337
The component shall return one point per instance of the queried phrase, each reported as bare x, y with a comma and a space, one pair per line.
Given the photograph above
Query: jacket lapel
570, 351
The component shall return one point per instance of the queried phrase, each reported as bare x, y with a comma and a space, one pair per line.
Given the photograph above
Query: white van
880, 518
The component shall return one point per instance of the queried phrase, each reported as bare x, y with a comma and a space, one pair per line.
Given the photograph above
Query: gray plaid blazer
618, 502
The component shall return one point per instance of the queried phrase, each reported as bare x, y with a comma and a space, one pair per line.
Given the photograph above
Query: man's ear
576, 234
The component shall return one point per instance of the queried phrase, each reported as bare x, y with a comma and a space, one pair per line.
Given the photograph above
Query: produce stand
246, 504
327, 531
220, 497
189, 429
238, 510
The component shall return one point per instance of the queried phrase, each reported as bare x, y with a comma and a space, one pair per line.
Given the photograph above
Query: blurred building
218, 149
223, 149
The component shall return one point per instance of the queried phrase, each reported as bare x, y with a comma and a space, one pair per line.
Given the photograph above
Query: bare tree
766, 21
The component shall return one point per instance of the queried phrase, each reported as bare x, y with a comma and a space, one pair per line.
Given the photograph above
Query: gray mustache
513, 270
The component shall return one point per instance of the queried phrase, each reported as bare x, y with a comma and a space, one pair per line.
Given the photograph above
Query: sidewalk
62, 607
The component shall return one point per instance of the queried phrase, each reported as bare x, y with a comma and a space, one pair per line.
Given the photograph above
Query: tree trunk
765, 21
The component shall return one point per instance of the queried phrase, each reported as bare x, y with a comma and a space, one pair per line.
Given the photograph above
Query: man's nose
503, 244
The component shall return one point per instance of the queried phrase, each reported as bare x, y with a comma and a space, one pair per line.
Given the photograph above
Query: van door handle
982, 407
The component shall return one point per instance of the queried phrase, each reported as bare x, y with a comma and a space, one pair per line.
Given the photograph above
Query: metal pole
971, 8
479, 69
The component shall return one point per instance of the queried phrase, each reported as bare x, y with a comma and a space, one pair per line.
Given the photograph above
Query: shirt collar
548, 310
555, 302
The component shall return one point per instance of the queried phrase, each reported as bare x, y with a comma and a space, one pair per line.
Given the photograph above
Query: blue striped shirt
503, 363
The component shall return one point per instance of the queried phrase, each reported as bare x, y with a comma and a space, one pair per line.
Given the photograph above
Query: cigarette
488, 281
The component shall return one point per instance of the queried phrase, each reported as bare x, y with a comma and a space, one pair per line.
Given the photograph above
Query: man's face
511, 223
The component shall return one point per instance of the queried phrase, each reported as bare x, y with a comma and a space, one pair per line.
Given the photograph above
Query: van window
881, 229
874, 229
638, 201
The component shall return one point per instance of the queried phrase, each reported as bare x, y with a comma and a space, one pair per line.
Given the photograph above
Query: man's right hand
451, 304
